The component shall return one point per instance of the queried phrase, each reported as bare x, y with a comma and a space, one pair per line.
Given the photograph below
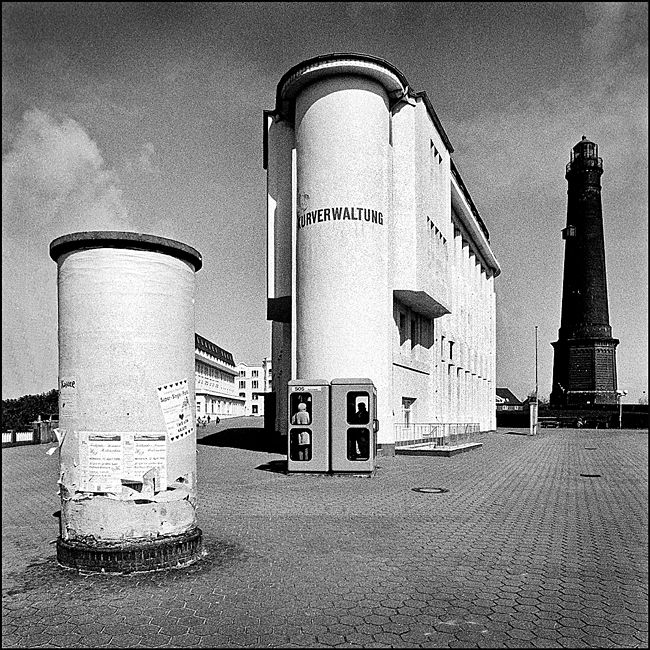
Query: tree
19, 413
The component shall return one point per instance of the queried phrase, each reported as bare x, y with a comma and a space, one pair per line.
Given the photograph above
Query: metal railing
437, 434
42, 432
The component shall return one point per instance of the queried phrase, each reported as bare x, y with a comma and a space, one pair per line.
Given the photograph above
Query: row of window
254, 384
434, 152
210, 372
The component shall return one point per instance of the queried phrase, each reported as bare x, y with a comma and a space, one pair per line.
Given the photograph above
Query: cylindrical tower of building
342, 129
126, 401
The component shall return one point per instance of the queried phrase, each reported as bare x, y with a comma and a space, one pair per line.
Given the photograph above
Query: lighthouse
584, 368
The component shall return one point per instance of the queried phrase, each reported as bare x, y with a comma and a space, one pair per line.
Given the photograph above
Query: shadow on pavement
250, 438
277, 466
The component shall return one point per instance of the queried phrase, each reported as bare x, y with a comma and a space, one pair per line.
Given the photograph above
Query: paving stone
311, 561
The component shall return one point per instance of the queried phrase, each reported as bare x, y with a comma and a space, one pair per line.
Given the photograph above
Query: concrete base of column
125, 557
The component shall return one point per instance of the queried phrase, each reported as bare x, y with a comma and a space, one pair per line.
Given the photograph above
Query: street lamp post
534, 403
619, 395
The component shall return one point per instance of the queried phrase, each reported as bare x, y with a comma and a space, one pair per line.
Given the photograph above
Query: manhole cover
430, 490
590, 475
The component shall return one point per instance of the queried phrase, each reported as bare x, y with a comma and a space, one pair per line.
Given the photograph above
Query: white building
215, 376
379, 264
253, 382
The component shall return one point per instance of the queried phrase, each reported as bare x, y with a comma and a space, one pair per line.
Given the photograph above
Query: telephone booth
309, 426
354, 425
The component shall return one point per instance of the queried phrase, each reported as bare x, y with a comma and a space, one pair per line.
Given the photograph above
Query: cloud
143, 161
54, 177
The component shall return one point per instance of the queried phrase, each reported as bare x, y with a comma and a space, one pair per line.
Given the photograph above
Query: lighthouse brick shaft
584, 368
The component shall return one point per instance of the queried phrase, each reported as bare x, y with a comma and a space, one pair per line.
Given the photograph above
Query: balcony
580, 162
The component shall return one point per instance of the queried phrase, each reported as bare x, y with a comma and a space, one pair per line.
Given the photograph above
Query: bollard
127, 433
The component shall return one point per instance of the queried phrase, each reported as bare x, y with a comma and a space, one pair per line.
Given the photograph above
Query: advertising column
127, 435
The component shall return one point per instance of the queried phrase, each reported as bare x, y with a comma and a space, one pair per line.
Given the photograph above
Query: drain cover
591, 475
430, 490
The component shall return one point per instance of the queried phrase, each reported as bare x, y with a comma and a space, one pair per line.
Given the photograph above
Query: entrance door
408, 410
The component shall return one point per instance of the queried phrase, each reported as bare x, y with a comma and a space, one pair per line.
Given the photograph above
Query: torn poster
100, 460
177, 411
107, 458
144, 451
68, 397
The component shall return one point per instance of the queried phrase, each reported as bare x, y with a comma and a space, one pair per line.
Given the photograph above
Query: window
402, 328
255, 373
242, 373
254, 407
198, 407
357, 407
255, 397
242, 394
300, 408
414, 331
569, 232
451, 350
242, 384
255, 384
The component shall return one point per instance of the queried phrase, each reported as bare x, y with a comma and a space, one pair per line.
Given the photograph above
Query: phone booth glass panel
308, 439
353, 405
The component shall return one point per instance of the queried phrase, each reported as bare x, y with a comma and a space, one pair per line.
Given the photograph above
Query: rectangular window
242, 384
451, 350
402, 328
255, 373
255, 384
414, 331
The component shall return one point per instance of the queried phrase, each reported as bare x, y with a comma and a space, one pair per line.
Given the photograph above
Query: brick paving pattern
522, 551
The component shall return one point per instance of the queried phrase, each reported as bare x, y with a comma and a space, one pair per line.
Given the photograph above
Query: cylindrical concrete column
342, 291
126, 401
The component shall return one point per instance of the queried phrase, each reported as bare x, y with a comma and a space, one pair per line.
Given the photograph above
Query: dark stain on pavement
46, 576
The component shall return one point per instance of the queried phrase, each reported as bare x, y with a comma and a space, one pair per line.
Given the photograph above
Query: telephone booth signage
309, 426
354, 425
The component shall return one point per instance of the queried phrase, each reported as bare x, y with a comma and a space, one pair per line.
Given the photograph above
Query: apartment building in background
216, 381
253, 382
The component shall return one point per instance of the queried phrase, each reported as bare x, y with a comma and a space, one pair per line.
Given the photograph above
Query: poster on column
100, 460
177, 411
144, 451
108, 457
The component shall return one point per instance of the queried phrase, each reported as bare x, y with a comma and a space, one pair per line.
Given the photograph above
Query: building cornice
391, 78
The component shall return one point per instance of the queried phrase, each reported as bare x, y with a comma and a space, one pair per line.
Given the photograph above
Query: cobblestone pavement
522, 551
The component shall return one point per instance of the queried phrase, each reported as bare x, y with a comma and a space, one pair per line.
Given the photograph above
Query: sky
148, 117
